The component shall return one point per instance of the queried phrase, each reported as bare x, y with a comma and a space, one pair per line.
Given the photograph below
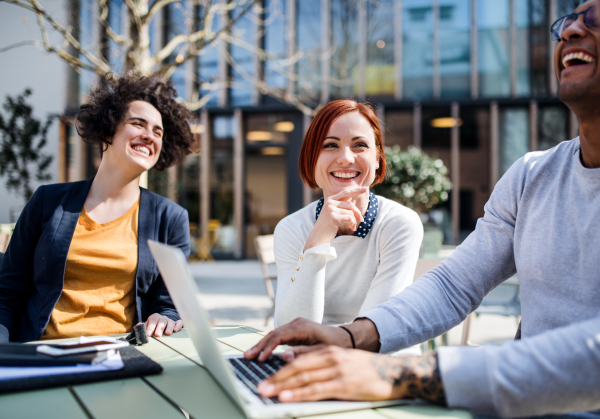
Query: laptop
237, 376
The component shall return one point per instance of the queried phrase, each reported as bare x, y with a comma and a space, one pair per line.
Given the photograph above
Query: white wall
29, 66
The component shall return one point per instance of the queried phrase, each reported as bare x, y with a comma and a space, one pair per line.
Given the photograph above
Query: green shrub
414, 179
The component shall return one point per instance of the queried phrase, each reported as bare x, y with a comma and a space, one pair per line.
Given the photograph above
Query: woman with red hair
340, 256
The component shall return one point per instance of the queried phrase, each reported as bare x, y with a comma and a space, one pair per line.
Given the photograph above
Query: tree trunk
139, 58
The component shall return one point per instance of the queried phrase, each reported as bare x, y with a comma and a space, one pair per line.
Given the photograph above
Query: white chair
4, 240
266, 256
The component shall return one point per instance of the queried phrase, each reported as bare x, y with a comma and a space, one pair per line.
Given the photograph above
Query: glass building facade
488, 62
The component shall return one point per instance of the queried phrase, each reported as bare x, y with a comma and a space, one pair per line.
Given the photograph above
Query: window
417, 59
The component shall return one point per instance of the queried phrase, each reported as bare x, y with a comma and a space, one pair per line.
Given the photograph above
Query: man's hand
344, 374
338, 213
298, 332
313, 336
157, 324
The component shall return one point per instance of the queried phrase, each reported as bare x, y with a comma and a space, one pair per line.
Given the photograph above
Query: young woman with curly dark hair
78, 262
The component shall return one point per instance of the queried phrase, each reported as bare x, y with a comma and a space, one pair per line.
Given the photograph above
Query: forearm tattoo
414, 376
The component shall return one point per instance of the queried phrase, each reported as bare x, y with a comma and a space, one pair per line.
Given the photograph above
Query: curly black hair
97, 120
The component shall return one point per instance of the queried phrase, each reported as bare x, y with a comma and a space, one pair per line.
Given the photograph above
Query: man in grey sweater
542, 221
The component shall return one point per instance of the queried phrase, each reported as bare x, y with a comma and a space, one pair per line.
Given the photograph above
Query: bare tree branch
156, 7
21, 44
200, 39
103, 18
99, 65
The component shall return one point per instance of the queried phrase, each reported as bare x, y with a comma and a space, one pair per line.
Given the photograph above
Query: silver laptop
237, 376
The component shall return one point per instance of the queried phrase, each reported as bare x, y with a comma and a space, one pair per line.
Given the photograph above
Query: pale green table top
184, 389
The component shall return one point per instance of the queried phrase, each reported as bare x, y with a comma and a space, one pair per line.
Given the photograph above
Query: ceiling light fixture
446, 122
284, 126
259, 136
272, 151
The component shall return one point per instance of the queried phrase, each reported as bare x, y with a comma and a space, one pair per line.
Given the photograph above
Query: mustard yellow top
98, 296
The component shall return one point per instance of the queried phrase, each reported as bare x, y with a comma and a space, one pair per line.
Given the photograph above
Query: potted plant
414, 179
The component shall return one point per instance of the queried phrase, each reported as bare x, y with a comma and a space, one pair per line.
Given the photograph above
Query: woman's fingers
178, 326
157, 325
345, 217
351, 207
170, 326
347, 194
151, 323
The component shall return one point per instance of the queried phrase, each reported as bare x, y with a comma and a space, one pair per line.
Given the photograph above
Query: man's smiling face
576, 58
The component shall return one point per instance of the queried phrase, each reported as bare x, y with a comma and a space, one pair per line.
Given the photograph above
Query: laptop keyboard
252, 372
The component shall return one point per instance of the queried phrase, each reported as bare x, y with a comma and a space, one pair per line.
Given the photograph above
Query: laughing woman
340, 256
78, 262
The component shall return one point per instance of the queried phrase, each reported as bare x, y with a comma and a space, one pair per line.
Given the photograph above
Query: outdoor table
184, 388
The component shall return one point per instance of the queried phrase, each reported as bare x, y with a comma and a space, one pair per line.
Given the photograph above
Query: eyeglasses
590, 18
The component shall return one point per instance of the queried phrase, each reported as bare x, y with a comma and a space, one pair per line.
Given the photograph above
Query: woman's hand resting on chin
338, 213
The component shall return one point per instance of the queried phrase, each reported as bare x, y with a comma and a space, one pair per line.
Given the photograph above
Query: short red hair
318, 129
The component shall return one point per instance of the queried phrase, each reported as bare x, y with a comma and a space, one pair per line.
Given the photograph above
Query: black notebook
22, 355
135, 363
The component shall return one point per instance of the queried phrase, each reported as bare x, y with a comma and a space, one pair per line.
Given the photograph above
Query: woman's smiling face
348, 157
138, 140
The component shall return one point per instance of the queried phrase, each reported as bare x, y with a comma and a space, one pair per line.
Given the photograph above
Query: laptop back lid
180, 283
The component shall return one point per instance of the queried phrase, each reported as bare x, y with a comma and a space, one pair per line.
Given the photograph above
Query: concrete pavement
234, 293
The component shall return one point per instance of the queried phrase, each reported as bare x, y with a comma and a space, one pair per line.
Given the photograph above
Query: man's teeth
576, 56
345, 175
142, 150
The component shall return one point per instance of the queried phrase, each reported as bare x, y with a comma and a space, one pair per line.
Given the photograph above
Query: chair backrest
266, 256
265, 249
424, 266
4, 240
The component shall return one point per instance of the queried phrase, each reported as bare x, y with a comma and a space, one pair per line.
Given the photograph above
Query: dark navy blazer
32, 272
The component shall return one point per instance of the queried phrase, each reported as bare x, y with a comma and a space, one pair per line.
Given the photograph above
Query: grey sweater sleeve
3, 334
555, 371
443, 297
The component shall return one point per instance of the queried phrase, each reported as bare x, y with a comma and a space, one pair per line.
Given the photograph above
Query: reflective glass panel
266, 173
221, 185
275, 44
513, 136
522, 19
455, 47
189, 186
115, 21
398, 128
380, 70
179, 19
553, 126
417, 50
539, 47
208, 67
88, 40
344, 47
242, 59
309, 42
493, 47
474, 164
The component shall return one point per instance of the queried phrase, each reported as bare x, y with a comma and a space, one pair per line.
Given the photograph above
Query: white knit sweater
335, 283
